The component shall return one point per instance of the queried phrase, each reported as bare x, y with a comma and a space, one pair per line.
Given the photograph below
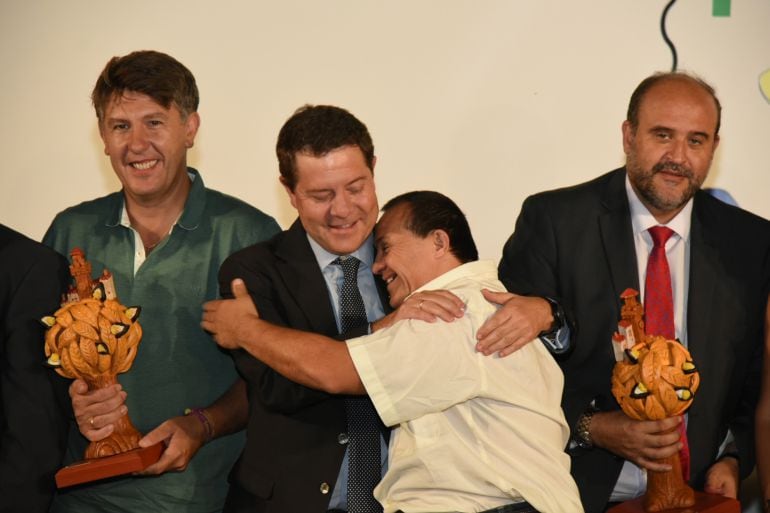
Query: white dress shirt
473, 432
632, 481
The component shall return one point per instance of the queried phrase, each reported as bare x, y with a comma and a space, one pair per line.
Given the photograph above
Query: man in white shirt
474, 433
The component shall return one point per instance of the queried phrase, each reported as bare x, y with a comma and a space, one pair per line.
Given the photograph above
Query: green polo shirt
177, 365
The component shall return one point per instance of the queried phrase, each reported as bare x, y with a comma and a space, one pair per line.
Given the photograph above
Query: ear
374, 184
292, 196
191, 125
101, 135
440, 240
628, 136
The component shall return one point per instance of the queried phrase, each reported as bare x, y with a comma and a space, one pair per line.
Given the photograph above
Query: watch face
582, 443
582, 432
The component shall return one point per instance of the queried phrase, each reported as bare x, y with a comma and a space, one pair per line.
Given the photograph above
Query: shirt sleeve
414, 368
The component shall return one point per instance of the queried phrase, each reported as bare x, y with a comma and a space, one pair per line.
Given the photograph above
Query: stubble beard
643, 181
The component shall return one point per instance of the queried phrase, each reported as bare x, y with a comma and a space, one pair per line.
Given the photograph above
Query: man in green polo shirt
163, 238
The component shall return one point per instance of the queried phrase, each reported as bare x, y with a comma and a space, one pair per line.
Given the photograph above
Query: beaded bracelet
198, 412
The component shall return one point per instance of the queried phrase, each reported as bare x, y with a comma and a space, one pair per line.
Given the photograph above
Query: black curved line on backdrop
665, 35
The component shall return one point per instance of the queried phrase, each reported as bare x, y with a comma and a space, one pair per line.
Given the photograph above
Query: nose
341, 205
677, 150
138, 140
378, 266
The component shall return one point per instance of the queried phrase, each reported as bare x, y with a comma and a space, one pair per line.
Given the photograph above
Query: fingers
509, 329
78, 387
505, 340
439, 303
183, 437
514, 346
206, 321
95, 435
428, 306
239, 288
723, 478
652, 465
488, 333
162, 433
667, 424
210, 306
643, 442
96, 411
164, 464
497, 298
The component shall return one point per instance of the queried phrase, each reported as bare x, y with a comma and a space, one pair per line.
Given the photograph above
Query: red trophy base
704, 503
86, 471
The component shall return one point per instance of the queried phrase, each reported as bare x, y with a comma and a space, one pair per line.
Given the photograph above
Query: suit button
324, 488
343, 438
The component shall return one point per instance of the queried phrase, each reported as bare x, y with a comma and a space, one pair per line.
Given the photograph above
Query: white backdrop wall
487, 101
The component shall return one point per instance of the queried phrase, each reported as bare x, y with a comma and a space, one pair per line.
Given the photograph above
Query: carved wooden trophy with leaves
655, 378
94, 337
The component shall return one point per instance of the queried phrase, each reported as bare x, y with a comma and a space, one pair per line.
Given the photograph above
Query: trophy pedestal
86, 471
704, 503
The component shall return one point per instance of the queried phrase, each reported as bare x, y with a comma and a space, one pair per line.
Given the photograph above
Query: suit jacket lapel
617, 237
706, 298
704, 275
304, 280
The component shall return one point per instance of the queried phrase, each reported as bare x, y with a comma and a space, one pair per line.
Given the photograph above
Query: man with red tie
701, 263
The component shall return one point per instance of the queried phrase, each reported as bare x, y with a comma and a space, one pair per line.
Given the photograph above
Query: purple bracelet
198, 412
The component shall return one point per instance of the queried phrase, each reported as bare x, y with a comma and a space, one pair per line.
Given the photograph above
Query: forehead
340, 165
130, 101
392, 222
678, 101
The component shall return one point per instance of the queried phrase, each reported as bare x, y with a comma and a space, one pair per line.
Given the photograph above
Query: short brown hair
161, 77
632, 116
316, 130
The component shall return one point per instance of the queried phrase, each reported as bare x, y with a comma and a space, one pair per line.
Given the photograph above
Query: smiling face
147, 145
670, 151
405, 260
335, 198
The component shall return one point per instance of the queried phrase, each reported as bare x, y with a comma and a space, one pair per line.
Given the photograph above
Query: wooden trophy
655, 378
94, 338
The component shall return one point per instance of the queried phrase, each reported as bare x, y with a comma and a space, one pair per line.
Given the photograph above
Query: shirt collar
481, 268
365, 253
190, 217
642, 219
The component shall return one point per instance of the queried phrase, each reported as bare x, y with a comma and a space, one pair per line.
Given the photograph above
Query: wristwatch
582, 434
558, 318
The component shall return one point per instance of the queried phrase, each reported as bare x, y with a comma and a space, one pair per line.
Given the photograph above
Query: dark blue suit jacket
292, 456
576, 244
34, 405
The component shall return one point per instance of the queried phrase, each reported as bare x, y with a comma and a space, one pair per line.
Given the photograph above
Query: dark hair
632, 116
430, 210
316, 130
159, 76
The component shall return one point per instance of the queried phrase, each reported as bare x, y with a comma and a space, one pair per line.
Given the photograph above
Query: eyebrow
153, 114
658, 128
331, 189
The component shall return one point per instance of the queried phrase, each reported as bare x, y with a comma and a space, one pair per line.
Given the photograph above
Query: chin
347, 245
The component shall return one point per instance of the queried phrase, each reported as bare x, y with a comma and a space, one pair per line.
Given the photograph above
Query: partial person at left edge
33, 399
163, 238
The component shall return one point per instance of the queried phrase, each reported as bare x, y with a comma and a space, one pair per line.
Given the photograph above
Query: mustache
673, 168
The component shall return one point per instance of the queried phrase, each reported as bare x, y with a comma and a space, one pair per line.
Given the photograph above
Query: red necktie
659, 312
